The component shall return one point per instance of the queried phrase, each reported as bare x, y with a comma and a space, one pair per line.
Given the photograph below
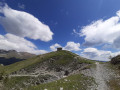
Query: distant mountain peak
8, 56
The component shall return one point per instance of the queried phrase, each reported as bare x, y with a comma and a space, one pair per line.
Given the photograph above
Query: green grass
62, 58
69, 83
14, 82
114, 84
21, 82
73, 82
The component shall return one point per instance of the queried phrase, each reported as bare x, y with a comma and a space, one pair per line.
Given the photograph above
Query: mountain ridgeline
12, 56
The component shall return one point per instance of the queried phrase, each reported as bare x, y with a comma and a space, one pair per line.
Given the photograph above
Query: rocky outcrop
115, 60
49, 68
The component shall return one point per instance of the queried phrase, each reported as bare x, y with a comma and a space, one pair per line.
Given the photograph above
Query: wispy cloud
22, 6
75, 32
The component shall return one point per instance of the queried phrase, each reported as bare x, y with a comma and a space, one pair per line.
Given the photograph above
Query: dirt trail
100, 77
102, 74
24, 75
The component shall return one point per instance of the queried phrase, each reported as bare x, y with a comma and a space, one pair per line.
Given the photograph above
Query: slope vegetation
52, 60
44, 68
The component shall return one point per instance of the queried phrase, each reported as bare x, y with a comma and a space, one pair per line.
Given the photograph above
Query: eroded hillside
43, 69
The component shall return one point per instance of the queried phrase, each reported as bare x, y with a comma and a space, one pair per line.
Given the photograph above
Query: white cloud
13, 42
55, 46
75, 32
38, 51
23, 24
71, 46
118, 13
103, 32
95, 54
115, 54
22, 6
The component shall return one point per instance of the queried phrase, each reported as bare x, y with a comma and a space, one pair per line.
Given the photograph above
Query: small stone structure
59, 49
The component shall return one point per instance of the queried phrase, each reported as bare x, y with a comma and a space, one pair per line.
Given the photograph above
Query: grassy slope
114, 82
20, 82
73, 82
66, 57
114, 64
14, 82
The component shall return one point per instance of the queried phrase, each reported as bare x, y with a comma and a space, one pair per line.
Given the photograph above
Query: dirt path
102, 75
29, 75
23, 75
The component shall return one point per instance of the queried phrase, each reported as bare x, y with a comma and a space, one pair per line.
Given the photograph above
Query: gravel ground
102, 74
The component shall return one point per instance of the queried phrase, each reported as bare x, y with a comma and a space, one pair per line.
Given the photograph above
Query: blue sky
89, 28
